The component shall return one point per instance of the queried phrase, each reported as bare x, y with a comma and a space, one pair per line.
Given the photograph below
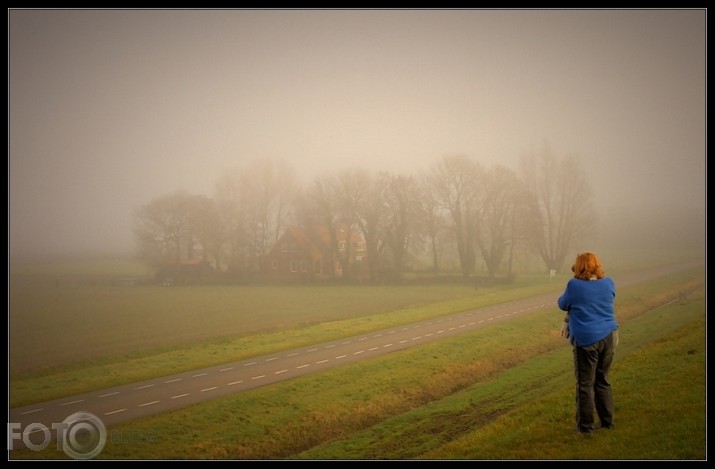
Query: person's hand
565, 332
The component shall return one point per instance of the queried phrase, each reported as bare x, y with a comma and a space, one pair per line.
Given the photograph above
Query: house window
361, 246
341, 245
317, 268
274, 264
293, 265
284, 247
303, 266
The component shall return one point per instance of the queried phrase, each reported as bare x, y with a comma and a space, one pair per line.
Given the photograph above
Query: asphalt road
136, 400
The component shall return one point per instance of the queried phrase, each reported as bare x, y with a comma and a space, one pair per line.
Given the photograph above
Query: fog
110, 109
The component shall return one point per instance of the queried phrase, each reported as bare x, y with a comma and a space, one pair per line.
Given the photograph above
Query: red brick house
305, 255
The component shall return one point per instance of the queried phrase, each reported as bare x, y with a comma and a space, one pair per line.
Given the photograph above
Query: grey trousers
593, 390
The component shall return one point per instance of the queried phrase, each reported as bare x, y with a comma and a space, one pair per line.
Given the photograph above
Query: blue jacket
589, 303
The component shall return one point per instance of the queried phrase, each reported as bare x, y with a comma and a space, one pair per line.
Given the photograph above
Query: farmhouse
304, 255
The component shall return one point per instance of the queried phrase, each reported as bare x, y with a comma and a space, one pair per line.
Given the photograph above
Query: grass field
504, 392
81, 313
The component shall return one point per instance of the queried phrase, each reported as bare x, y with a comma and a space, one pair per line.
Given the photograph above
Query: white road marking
73, 402
209, 389
115, 411
109, 394
180, 395
144, 387
148, 403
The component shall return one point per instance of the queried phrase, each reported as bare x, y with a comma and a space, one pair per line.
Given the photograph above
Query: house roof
319, 238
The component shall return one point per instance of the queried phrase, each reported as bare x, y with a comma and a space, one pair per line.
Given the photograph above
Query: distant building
302, 255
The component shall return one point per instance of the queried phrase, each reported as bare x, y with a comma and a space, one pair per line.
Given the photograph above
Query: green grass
502, 392
51, 327
527, 412
67, 341
87, 337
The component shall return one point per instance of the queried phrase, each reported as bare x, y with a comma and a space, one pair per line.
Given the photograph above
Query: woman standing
591, 327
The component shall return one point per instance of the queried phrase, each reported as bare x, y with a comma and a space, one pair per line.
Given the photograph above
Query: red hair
587, 266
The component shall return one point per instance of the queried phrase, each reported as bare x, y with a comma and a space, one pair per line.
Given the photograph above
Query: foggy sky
110, 109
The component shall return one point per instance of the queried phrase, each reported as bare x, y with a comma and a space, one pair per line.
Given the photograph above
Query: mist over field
111, 109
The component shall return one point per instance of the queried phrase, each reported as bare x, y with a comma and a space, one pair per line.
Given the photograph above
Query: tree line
458, 209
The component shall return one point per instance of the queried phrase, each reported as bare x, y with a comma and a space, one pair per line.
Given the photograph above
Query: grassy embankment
503, 392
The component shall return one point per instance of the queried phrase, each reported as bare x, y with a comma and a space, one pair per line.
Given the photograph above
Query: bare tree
269, 189
561, 205
371, 222
255, 204
350, 193
160, 227
457, 182
429, 218
519, 225
173, 228
494, 234
231, 206
401, 208
205, 228
318, 207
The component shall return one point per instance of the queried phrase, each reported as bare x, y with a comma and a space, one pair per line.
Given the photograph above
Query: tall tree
270, 190
401, 205
255, 204
429, 218
231, 205
318, 207
561, 205
350, 192
172, 228
457, 183
371, 222
494, 234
